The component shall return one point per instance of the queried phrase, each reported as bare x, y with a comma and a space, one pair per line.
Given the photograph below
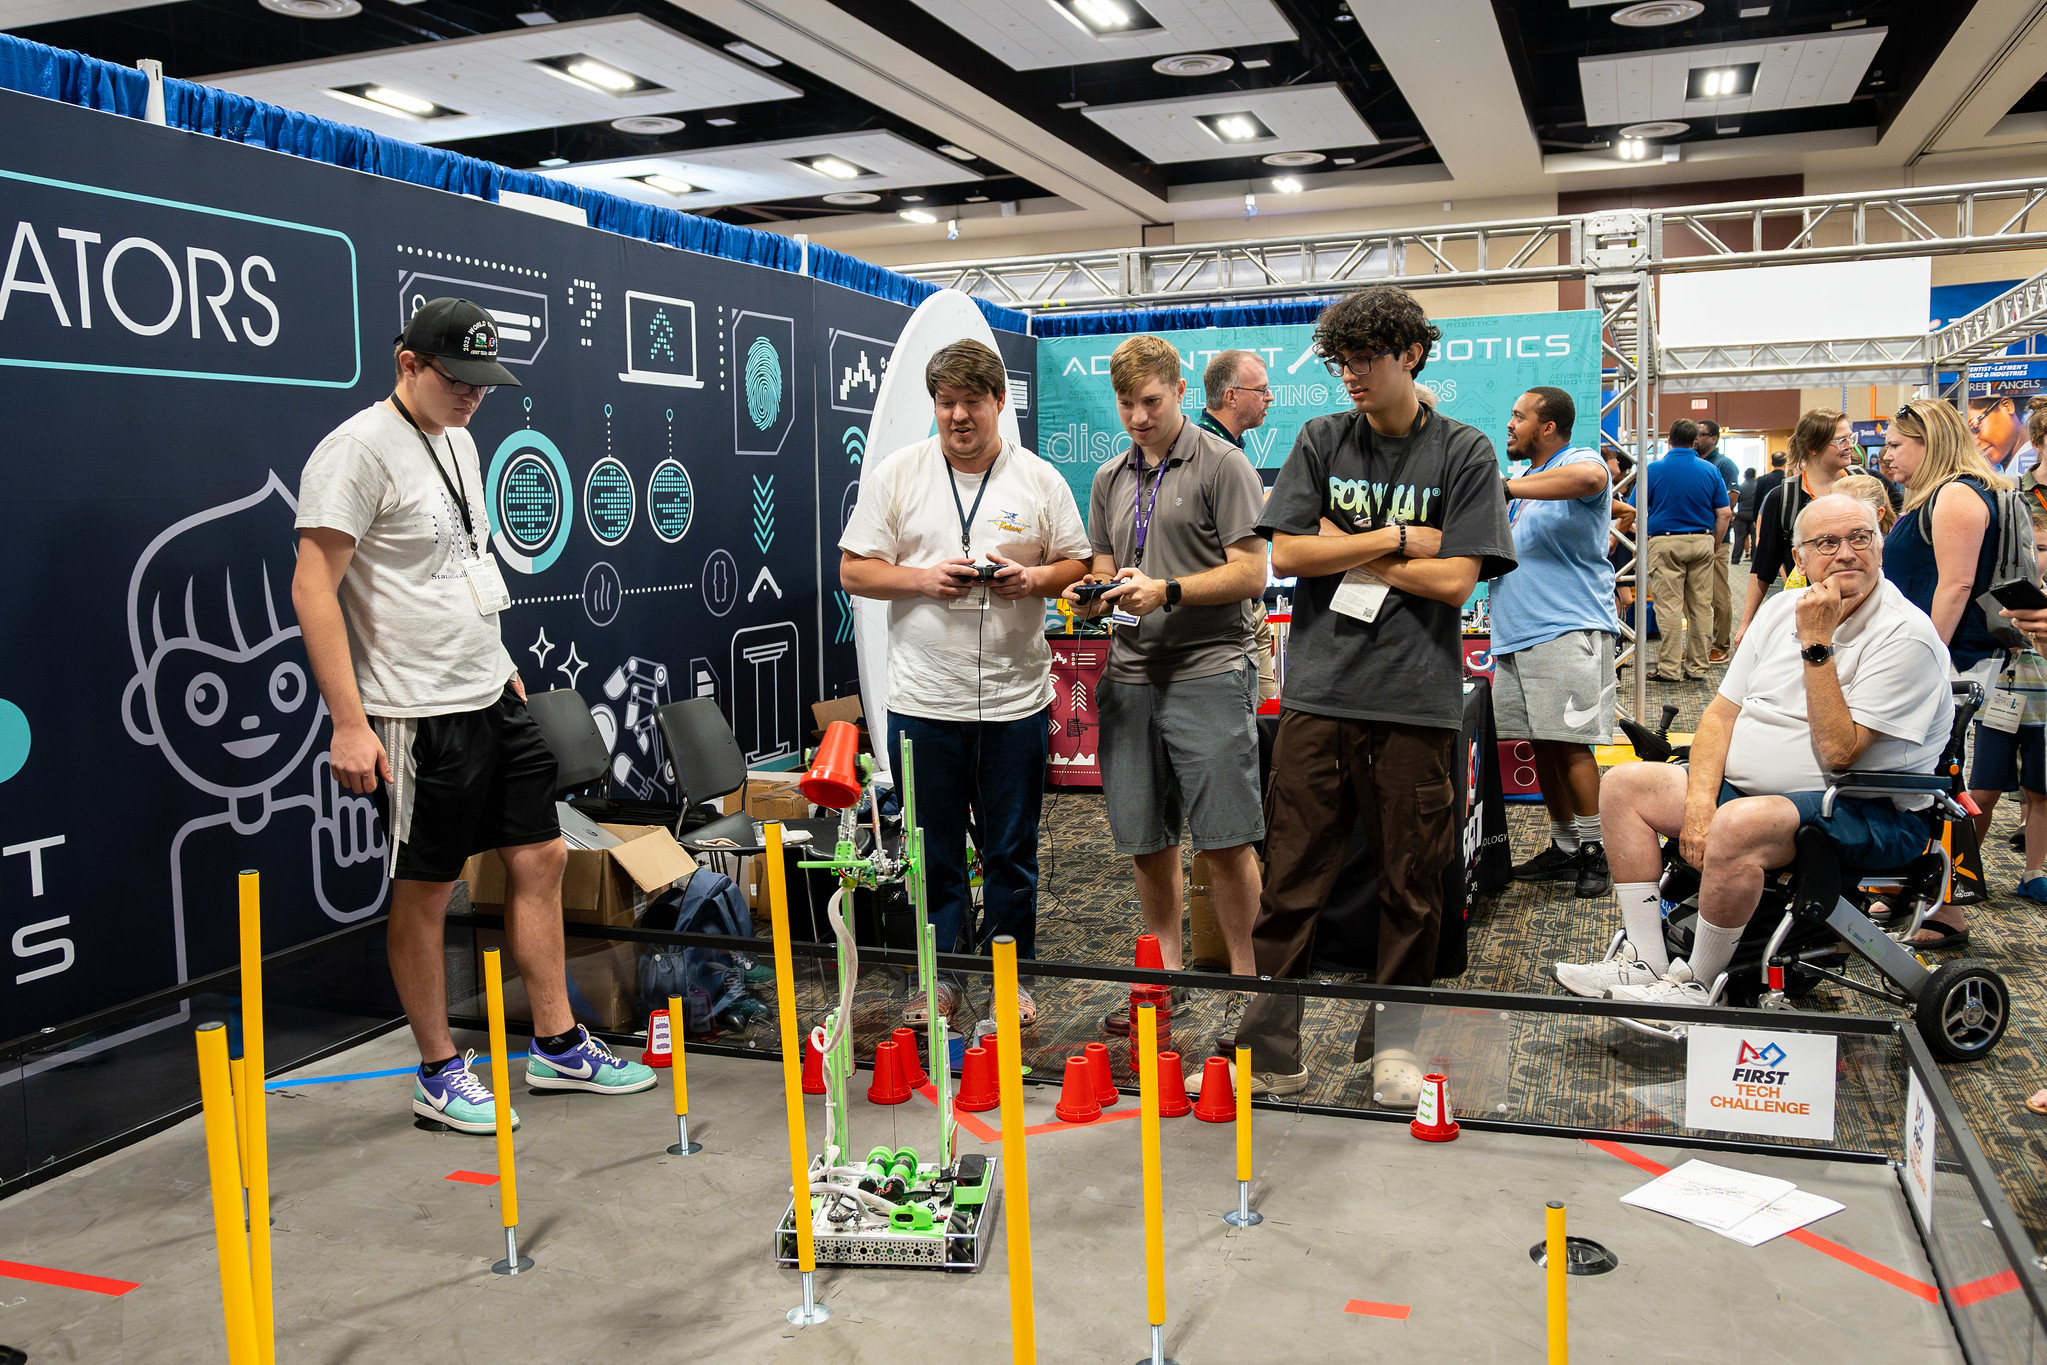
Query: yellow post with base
1023, 1320
501, 1094
810, 1312
236, 1297
682, 1145
1557, 1261
1154, 1189
254, 1122
1243, 1216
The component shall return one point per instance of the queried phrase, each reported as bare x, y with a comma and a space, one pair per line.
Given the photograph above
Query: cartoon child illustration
222, 687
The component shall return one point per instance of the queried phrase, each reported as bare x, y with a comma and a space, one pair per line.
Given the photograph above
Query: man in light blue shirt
1553, 630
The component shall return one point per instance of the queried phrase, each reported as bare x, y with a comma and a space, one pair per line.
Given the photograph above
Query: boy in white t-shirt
970, 674
398, 595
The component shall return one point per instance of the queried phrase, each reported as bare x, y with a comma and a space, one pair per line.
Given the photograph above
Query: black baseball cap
462, 337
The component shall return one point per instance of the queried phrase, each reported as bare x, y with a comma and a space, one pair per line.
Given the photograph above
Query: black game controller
1088, 592
985, 573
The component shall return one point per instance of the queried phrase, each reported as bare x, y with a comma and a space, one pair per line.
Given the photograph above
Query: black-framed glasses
1831, 545
1338, 366
460, 388
1262, 390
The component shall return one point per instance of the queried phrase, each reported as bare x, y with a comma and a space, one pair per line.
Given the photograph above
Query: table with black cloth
1347, 936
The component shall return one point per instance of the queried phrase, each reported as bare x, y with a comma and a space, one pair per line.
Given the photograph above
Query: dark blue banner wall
181, 320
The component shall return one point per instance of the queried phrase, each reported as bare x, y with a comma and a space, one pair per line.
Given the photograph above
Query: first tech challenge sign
1779, 1084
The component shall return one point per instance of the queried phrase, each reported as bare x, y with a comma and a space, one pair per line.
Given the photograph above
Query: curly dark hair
1383, 317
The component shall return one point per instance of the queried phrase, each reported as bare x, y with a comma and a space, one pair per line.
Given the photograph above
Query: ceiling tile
1029, 35
1792, 73
763, 172
1303, 118
495, 84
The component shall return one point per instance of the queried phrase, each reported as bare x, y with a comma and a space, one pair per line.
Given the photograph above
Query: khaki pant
1681, 585
1723, 600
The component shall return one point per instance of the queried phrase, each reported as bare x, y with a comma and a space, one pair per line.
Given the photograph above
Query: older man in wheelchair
1816, 777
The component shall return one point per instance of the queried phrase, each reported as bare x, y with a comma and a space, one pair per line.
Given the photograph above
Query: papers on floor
1749, 1208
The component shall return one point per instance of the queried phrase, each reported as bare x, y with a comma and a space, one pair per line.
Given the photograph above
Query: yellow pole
1559, 1266
1023, 1318
236, 1300
501, 1095
1154, 1215
255, 1125
683, 1146
1243, 1216
810, 1311
239, 1086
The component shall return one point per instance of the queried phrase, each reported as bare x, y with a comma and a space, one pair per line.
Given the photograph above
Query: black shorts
484, 779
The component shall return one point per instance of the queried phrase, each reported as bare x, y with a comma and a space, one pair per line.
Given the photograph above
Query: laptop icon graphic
660, 341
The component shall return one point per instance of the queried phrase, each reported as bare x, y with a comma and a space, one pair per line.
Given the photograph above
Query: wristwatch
1172, 593
1816, 654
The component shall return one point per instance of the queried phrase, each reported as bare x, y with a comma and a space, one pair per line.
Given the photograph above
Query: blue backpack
707, 979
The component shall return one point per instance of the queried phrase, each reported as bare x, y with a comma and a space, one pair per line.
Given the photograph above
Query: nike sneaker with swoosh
588, 1065
457, 1097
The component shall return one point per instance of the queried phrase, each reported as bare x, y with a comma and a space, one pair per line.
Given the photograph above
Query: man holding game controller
1178, 565
962, 535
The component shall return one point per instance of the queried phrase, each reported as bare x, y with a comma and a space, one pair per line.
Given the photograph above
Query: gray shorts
1562, 689
1192, 747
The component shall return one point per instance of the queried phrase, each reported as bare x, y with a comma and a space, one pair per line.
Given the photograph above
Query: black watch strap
1816, 654
1172, 593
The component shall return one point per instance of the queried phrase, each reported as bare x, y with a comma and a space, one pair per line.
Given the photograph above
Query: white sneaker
1620, 967
1674, 987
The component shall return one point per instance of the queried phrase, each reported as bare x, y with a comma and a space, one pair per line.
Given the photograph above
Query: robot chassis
896, 1207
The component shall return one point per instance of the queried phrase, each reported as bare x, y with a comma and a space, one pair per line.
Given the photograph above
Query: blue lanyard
1140, 513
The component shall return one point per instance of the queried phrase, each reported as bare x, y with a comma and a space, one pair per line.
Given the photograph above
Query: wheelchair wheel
1963, 1011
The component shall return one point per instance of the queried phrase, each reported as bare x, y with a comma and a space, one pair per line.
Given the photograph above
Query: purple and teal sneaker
589, 1065
458, 1098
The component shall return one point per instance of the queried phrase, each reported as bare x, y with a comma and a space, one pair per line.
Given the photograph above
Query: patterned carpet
1542, 1068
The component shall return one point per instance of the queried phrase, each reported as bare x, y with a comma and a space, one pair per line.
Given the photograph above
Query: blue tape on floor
296, 1082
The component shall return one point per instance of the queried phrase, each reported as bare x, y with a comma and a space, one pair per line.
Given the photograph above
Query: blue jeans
996, 770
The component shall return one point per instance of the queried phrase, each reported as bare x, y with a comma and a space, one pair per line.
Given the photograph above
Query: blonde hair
1814, 433
1870, 491
1140, 358
1950, 450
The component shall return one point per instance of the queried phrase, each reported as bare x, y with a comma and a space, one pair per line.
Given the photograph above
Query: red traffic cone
1172, 1087
660, 1043
1077, 1102
1097, 1055
906, 1057
1432, 1118
1218, 1102
834, 777
1149, 959
978, 1090
813, 1066
889, 1087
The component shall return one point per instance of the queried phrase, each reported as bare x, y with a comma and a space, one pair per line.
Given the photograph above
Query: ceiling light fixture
837, 167
1073, 104
1721, 82
647, 125
1193, 64
1236, 127
1659, 128
1755, 11
1108, 18
534, 18
667, 184
1293, 158
1286, 184
313, 9
753, 54
554, 162
1657, 13
916, 216
382, 99
852, 198
956, 153
579, 68
1632, 149
721, 122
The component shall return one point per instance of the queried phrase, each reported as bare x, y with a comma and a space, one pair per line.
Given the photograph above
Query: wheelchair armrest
1880, 784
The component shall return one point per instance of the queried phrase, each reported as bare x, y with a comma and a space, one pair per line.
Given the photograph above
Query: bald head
1826, 532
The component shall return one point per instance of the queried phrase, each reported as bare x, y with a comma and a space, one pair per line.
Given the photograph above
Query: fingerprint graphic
763, 383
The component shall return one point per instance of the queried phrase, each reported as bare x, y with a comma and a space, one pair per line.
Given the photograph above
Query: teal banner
1476, 371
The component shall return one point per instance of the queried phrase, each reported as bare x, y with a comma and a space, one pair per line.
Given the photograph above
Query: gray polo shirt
1207, 498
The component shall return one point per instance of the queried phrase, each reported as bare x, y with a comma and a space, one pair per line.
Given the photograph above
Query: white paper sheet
1789, 1212
1711, 1196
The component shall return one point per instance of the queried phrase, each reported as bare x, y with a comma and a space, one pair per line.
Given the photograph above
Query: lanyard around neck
456, 488
1140, 512
967, 514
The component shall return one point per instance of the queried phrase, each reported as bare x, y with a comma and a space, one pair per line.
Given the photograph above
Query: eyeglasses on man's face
1357, 365
458, 387
1858, 541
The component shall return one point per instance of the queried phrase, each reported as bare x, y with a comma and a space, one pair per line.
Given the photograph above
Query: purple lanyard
1140, 513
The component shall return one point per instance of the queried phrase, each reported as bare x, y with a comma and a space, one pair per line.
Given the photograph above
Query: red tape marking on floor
1989, 1287
987, 1134
1919, 1289
473, 1178
1060, 1125
66, 1279
1366, 1308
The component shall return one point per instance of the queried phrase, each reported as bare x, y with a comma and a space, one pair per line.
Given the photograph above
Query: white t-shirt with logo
958, 662
419, 645
1893, 669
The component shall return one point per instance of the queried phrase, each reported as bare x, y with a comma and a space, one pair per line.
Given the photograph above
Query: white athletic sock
1587, 829
1642, 913
1712, 950
1564, 835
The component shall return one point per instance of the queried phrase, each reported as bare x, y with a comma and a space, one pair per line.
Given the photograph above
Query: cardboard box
770, 795
839, 708
1207, 948
599, 886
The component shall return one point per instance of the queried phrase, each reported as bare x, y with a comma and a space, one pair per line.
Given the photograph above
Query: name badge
2003, 711
487, 585
1360, 595
1120, 617
975, 600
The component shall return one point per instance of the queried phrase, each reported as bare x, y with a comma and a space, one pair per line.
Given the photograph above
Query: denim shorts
1182, 748
1868, 835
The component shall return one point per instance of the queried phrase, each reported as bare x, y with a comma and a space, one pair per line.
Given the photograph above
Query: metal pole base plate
809, 1317
677, 1149
1236, 1220
1156, 1360
507, 1268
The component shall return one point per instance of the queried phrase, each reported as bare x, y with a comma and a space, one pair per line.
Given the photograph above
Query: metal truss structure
1795, 364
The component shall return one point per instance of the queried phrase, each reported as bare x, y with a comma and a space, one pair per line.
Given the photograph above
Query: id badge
975, 600
1360, 595
2003, 711
487, 585
1117, 616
